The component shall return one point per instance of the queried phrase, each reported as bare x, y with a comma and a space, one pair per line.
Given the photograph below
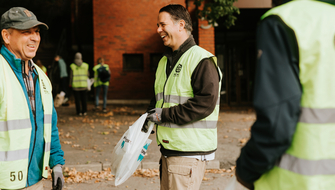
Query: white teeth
162, 36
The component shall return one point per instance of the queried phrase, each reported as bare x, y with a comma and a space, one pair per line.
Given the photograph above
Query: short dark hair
100, 60
179, 12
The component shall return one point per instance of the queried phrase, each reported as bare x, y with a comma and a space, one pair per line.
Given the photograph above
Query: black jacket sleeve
276, 99
205, 84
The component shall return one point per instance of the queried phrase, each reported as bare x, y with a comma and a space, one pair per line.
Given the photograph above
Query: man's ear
181, 25
5, 36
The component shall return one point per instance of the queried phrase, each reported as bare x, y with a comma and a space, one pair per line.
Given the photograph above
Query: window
154, 60
132, 62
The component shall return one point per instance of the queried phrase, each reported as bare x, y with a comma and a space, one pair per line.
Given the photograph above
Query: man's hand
155, 115
57, 177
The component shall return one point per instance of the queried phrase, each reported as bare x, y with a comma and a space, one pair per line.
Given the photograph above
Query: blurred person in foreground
186, 103
28, 121
292, 140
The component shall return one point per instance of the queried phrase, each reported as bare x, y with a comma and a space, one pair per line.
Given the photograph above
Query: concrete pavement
88, 141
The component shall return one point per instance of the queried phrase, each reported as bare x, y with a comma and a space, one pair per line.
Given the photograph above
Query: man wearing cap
28, 133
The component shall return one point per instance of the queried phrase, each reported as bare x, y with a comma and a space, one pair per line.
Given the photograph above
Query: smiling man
28, 121
186, 103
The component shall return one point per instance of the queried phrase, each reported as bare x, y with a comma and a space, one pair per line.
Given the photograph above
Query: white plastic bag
59, 99
234, 185
130, 150
89, 83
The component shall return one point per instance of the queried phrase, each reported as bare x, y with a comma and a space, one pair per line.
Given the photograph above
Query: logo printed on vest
178, 69
44, 88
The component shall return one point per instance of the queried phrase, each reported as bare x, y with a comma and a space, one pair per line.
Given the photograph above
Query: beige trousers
180, 173
37, 186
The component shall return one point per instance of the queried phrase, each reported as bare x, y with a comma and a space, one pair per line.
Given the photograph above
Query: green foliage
215, 9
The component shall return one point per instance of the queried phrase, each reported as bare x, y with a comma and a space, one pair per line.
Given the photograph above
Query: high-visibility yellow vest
198, 136
44, 69
97, 81
79, 75
15, 127
308, 163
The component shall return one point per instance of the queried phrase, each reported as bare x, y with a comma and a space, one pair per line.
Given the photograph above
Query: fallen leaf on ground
244, 140
205, 179
146, 173
73, 176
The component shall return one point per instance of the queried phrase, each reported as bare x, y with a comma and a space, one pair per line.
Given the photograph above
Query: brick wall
206, 36
205, 33
130, 27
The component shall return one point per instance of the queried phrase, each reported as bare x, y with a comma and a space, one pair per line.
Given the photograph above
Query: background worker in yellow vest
101, 82
28, 133
186, 103
40, 64
292, 140
78, 80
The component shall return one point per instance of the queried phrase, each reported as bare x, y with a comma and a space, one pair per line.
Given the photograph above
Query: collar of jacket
14, 62
174, 56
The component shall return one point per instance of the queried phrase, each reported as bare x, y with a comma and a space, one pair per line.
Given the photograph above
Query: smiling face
22, 43
169, 31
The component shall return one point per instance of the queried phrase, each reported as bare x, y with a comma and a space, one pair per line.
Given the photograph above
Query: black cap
20, 18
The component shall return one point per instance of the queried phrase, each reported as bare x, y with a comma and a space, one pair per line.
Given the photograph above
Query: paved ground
88, 142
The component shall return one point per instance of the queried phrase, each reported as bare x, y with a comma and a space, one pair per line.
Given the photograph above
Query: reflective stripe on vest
315, 115
80, 77
15, 127
176, 99
309, 162
176, 90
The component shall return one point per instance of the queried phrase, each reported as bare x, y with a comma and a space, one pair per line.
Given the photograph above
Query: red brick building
124, 33
125, 36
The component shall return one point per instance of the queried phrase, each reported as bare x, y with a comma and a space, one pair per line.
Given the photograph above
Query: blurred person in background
101, 81
78, 81
63, 83
39, 63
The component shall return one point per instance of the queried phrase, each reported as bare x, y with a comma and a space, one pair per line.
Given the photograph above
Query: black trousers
80, 98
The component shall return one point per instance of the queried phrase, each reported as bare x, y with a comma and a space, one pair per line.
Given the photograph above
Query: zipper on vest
162, 102
32, 152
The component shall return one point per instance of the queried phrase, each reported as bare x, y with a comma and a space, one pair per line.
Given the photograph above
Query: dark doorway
236, 52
